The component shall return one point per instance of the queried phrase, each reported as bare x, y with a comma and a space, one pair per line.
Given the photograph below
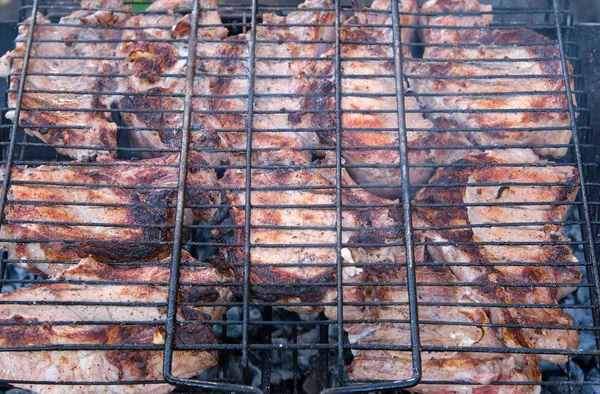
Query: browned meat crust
128, 304
199, 283
455, 77
116, 365
49, 112
304, 270
472, 222
112, 210
221, 103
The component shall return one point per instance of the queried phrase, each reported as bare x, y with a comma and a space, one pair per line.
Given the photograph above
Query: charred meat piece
155, 46
293, 234
203, 283
86, 303
284, 46
506, 85
112, 210
379, 316
370, 140
474, 210
221, 87
68, 79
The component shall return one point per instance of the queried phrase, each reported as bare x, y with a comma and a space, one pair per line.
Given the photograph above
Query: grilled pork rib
370, 137
498, 82
112, 210
65, 98
131, 304
372, 320
473, 223
301, 217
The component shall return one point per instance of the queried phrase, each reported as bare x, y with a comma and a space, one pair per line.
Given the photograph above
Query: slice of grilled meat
112, 210
293, 231
505, 85
65, 98
201, 283
474, 210
155, 47
40, 321
221, 87
370, 136
473, 370
377, 314
284, 46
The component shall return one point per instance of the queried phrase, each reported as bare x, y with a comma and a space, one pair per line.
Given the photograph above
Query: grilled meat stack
67, 88
156, 49
471, 222
490, 220
369, 121
377, 315
283, 49
220, 118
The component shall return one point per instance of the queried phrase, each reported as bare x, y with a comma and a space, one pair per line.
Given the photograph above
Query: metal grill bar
338, 197
171, 323
588, 233
248, 185
13, 132
415, 347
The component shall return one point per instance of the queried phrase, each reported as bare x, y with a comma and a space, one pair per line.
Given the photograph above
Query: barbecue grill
265, 348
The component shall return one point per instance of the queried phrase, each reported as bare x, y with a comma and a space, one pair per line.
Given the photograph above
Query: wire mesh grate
246, 176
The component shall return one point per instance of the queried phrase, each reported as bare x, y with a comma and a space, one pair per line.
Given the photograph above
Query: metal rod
15, 126
338, 199
415, 345
248, 187
171, 322
588, 233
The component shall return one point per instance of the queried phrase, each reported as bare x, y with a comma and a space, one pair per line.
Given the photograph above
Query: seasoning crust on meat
127, 304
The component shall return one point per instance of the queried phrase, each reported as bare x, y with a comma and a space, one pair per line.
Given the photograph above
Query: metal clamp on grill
317, 197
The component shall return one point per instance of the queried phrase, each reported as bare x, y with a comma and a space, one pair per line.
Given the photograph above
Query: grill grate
257, 334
